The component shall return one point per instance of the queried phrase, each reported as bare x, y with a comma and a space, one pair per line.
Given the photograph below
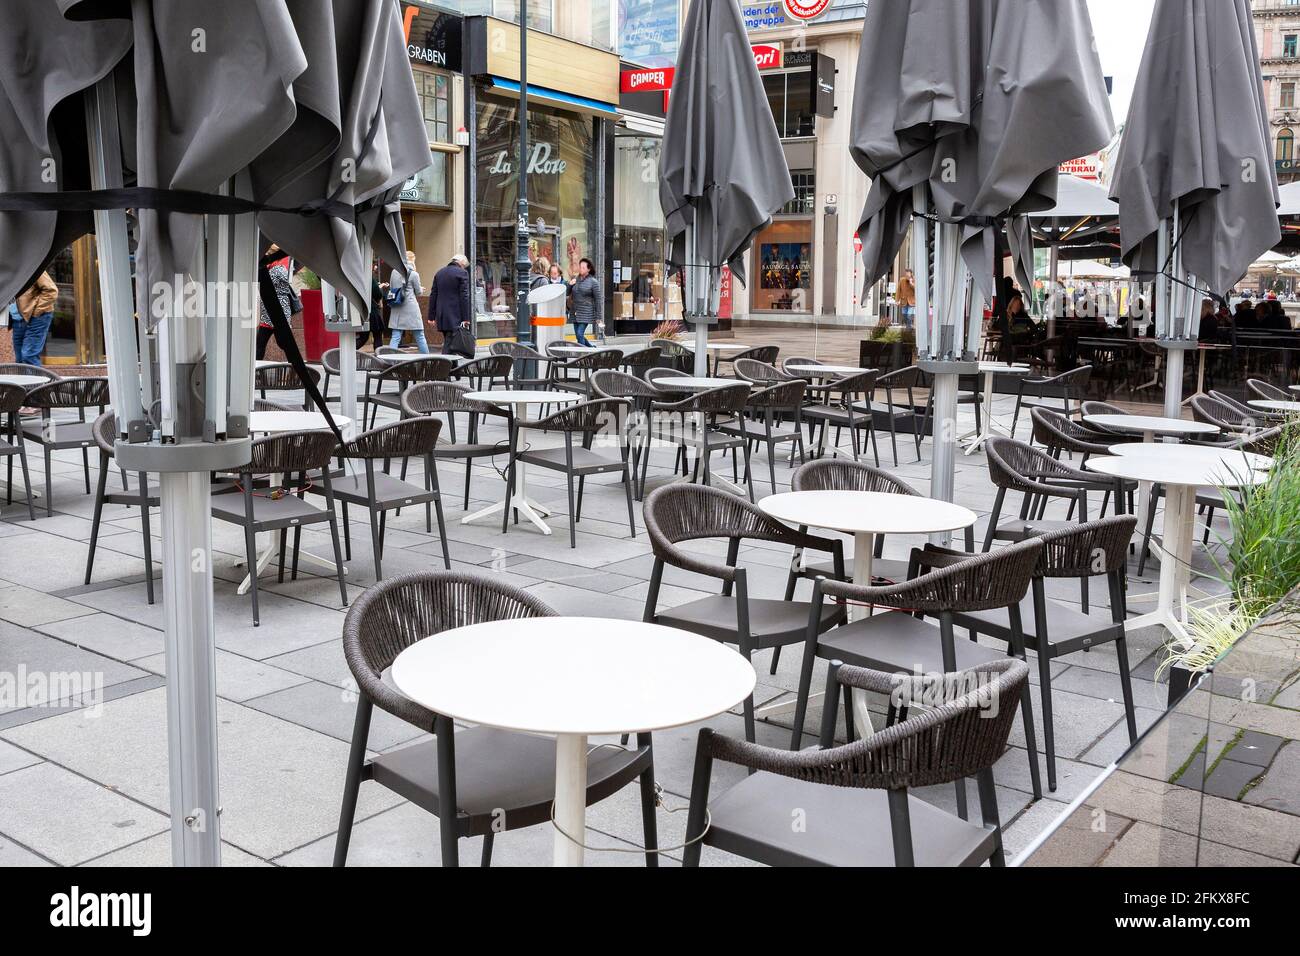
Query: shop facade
573, 102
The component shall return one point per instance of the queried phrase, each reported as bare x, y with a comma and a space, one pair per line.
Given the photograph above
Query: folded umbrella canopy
303, 113
722, 171
1195, 181
962, 114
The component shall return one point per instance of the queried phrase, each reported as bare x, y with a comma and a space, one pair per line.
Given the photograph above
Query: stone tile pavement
83, 775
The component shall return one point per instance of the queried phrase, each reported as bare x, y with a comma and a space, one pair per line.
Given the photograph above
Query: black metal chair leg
352, 782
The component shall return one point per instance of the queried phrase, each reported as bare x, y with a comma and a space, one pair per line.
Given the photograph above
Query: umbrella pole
347, 356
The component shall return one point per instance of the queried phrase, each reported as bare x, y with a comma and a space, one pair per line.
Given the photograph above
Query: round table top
725, 347
867, 512
688, 382
1151, 423
573, 675
394, 357
25, 381
524, 396
1232, 457
273, 422
1275, 406
1003, 368
824, 369
1179, 467
573, 349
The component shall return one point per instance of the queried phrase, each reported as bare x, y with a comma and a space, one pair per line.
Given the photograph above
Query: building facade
1277, 34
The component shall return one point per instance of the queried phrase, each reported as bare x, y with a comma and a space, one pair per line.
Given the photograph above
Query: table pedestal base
271, 552
1171, 608
570, 799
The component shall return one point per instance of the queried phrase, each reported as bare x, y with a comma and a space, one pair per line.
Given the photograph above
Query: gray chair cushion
844, 826
894, 641
268, 513
771, 623
390, 491
1067, 626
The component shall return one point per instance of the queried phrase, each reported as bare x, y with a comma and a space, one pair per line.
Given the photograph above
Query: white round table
1181, 470
817, 371
1151, 426
689, 383
1228, 457
865, 514
25, 381
277, 423
573, 677
521, 399
392, 358
989, 370
1275, 406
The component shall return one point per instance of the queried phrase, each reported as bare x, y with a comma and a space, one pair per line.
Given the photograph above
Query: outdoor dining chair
1071, 386
1261, 416
585, 422
485, 373
760, 373
575, 375
674, 355
22, 368
1038, 477
434, 368
639, 361
292, 456
57, 434
914, 417
1221, 415
843, 403
526, 373
797, 360
1267, 391
379, 492
283, 377
771, 417
640, 395
854, 799
900, 639
480, 780
12, 399
759, 353
448, 398
145, 496
329, 363
696, 422
1060, 434
677, 514
1053, 629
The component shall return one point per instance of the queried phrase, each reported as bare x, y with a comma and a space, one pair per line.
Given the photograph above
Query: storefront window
790, 96
648, 31
641, 291
785, 264
565, 206
435, 101
429, 187
540, 12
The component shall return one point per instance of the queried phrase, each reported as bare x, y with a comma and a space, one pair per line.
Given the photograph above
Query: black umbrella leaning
293, 91
722, 171
962, 114
1195, 182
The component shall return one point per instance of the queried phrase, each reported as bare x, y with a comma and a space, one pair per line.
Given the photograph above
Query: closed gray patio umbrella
239, 100
962, 114
722, 171
1195, 181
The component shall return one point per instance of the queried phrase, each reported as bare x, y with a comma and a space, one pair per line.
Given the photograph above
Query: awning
566, 101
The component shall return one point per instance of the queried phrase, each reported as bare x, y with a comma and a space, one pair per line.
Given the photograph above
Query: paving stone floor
83, 775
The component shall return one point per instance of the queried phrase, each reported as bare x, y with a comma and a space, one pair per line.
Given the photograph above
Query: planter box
1181, 681
886, 356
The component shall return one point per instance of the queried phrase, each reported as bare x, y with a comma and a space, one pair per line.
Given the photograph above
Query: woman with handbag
404, 306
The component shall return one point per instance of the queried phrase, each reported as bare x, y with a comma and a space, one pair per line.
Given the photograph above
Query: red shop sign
646, 81
768, 56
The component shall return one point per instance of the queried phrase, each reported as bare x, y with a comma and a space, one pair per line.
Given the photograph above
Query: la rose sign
806, 9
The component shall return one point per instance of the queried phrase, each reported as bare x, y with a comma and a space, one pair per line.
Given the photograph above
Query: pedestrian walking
586, 301
404, 306
31, 314
449, 300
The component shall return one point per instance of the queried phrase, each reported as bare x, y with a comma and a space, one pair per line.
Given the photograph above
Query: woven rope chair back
490, 366
290, 452
909, 377
982, 582
858, 384
366, 362
602, 359
760, 353
1075, 378
1268, 391
798, 360
726, 400
70, 393
435, 368
329, 361
1052, 429
22, 368
266, 405
1011, 462
785, 396
12, 398
655, 375
1260, 442
1101, 408
104, 431
1214, 412
431, 398
392, 615
935, 745
837, 474
402, 439
515, 351
604, 415
642, 358
752, 370
1098, 547
677, 513
609, 383
281, 377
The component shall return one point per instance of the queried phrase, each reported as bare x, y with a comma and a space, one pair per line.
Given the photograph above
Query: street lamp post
523, 265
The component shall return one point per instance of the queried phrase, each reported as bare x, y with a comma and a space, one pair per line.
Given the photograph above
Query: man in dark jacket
449, 299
